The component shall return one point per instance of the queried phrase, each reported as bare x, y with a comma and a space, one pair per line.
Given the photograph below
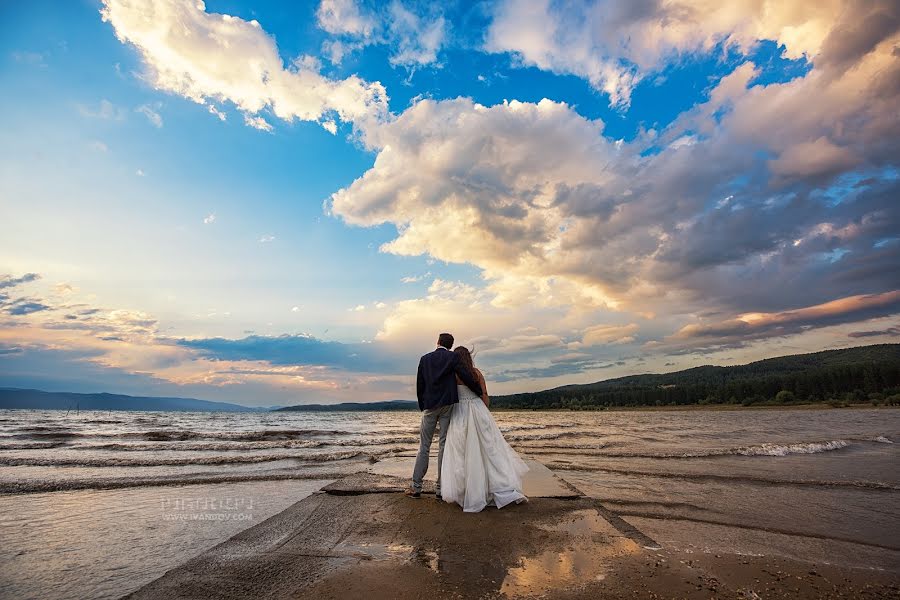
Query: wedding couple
476, 466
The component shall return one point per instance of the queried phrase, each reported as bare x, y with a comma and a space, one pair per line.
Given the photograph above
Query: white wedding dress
479, 465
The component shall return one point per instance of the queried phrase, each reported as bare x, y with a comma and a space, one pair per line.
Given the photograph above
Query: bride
479, 466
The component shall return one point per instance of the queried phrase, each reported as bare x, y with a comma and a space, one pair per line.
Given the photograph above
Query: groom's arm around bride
436, 379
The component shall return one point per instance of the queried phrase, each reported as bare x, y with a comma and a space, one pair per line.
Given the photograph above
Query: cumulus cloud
417, 39
209, 219
345, 17
614, 44
486, 184
414, 38
208, 58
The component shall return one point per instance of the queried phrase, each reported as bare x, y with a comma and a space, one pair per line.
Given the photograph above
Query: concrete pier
360, 537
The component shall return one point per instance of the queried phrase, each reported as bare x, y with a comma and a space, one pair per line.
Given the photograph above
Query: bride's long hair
465, 356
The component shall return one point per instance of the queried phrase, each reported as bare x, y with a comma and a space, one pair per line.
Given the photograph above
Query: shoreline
702, 407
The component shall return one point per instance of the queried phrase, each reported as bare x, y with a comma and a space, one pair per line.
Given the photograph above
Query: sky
280, 203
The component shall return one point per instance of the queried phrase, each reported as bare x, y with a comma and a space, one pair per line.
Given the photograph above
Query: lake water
95, 504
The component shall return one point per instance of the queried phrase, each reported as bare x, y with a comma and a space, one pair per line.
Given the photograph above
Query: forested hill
353, 406
862, 374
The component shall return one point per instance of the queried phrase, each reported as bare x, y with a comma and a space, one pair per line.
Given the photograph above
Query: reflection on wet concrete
582, 547
588, 557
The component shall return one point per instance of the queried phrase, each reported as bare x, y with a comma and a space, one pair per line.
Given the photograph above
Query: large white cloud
498, 186
210, 57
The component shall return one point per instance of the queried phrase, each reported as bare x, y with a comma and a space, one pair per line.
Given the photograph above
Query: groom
437, 393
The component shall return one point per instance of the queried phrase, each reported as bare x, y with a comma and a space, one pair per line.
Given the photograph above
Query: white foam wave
786, 449
524, 437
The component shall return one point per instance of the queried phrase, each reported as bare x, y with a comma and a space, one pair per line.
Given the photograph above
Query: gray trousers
430, 419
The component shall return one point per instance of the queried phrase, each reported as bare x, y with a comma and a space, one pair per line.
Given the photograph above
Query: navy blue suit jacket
436, 379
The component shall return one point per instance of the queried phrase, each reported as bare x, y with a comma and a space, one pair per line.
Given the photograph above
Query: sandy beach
360, 537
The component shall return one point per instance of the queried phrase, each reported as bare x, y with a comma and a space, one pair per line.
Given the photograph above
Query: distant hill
36, 399
861, 374
354, 406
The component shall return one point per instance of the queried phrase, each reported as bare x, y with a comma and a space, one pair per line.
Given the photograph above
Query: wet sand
361, 538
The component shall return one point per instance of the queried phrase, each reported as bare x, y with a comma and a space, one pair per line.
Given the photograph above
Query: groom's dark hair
445, 340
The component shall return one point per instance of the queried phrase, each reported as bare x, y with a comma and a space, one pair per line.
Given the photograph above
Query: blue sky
270, 202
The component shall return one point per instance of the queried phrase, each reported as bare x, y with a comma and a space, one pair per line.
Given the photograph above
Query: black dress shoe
411, 493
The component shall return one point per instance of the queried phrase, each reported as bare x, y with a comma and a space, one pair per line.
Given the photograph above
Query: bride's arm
484, 395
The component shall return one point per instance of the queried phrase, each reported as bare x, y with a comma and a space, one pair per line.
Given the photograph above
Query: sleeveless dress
479, 466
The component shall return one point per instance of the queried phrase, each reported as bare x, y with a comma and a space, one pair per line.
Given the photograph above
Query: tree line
839, 377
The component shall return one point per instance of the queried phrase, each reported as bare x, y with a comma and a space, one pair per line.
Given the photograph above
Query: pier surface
360, 537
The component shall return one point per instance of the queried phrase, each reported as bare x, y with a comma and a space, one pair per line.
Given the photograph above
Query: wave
49, 435
32, 446
238, 446
184, 435
182, 462
204, 446
873, 485
882, 440
283, 434
44, 486
535, 426
548, 436
767, 449
38, 428
785, 450
557, 448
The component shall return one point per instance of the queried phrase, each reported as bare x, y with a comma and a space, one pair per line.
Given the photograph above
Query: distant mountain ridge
859, 374
353, 406
40, 400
